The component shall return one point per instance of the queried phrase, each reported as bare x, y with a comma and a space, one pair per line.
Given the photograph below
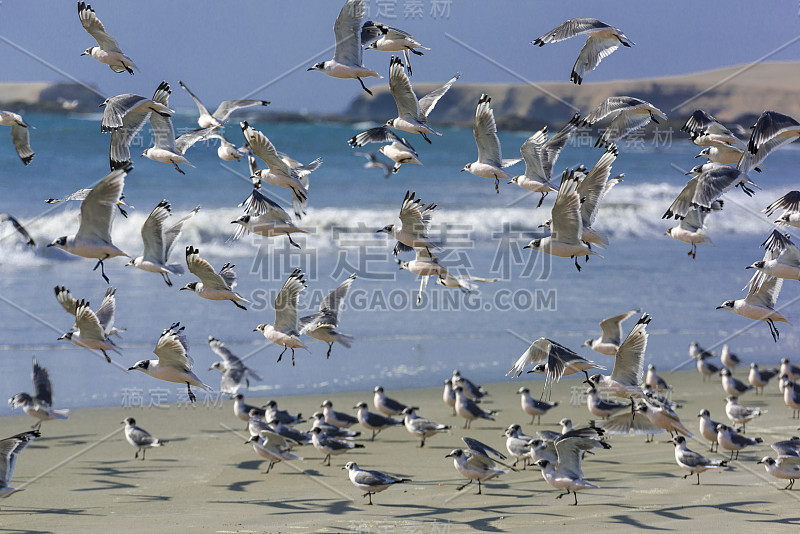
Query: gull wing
219, 348
765, 294
329, 307
203, 270
346, 30
683, 202
629, 363
429, 101
9, 449
173, 232
712, 183
119, 152
415, 216
264, 149
532, 151
569, 452
400, 87
117, 107
227, 107
200, 107
593, 186
553, 146
623, 124
771, 131
790, 202
66, 300
185, 141
566, 212
612, 327
153, 233
97, 209
42, 390
105, 313
95, 28
611, 105
537, 352
485, 131
571, 28
286, 303
5, 217
22, 142
592, 53
172, 349
87, 322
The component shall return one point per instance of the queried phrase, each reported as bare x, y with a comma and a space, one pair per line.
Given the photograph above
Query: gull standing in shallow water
608, 343
19, 134
212, 285
412, 114
285, 331
603, 40
322, 325
174, 363
108, 51
566, 227
93, 239
9, 449
40, 405
371, 481
224, 110
490, 163
347, 59
158, 242
140, 438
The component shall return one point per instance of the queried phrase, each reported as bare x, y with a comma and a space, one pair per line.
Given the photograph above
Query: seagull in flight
626, 113
378, 36
790, 204
609, 342
40, 404
19, 134
490, 163
415, 218
158, 242
212, 285
108, 50
347, 59
224, 110
285, 331
5, 217
759, 304
557, 360
603, 40
93, 239
9, 449
322, 325
234, 372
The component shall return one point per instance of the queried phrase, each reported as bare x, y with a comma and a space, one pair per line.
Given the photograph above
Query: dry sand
81, 475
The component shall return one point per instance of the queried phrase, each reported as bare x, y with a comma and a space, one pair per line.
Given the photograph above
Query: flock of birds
643, 407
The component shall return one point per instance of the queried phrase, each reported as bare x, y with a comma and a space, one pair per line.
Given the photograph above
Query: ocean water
398, 343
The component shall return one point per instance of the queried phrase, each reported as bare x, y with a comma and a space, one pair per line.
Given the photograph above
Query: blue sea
398, 343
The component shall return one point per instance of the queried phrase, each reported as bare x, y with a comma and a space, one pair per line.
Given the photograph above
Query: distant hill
734, 95
48, 96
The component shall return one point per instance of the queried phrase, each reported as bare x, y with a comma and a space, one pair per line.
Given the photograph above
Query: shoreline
91, 481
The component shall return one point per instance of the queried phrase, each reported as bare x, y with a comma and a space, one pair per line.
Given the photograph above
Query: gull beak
131, 368
310, 68
255, 329
62, 337
687, 173
719, 307
749, 267
698, 156
462, 170
448, 456
50, 245
84, 54
526, 246
234, 222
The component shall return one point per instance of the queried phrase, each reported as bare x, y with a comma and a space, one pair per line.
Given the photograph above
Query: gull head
243, 220
408, 410
390, 123
360, 405
145, 153
326, 404
141, 365
455, 453
669, 232
706, 152
768, 460
588, 343
378, 389
67, 336
351, 466
542, 463
261, 328
128, 421
594, 379
680, 440
704, 413
467, 167
134, 262
402, 264
191, 286
534, 245
727, 305
514, 180
61, 242
386, 229
217, 366
547, 224
317, 66
757, 265
523, 390
88, 52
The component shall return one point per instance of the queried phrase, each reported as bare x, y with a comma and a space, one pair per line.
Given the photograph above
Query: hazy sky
226, 50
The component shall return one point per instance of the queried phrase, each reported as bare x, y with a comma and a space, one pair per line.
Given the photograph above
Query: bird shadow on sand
293, 506
679, 512
239, 485
252, 465
7, 510
449, 511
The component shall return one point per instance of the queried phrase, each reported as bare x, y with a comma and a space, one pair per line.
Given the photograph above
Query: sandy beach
81, 475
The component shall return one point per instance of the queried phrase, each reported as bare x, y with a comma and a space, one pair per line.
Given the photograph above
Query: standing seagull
475, 465
371, 481
787, 468
158, 242
626, 378
708, 428
603, 40
566, 473
420, 426
627, 114
40, 405
212, 285
174, 363
567, 226
108, 51
692, 461
9, 449
378, 36
490, 163
234, 372
415, 217
758, 378
285, 331
412, 114
533, 407
608, 343
330, 446
739, 414
469, 409
93, 239
759, 304
123, 116
347, 59
540, 155
374, 421
322, 325
386, 405
273, 447
224, 110
730, 440
19, 134
140, 438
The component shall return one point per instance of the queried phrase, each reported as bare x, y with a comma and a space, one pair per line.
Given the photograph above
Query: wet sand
81, 476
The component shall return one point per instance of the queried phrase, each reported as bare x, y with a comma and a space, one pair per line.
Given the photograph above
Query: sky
261, 49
